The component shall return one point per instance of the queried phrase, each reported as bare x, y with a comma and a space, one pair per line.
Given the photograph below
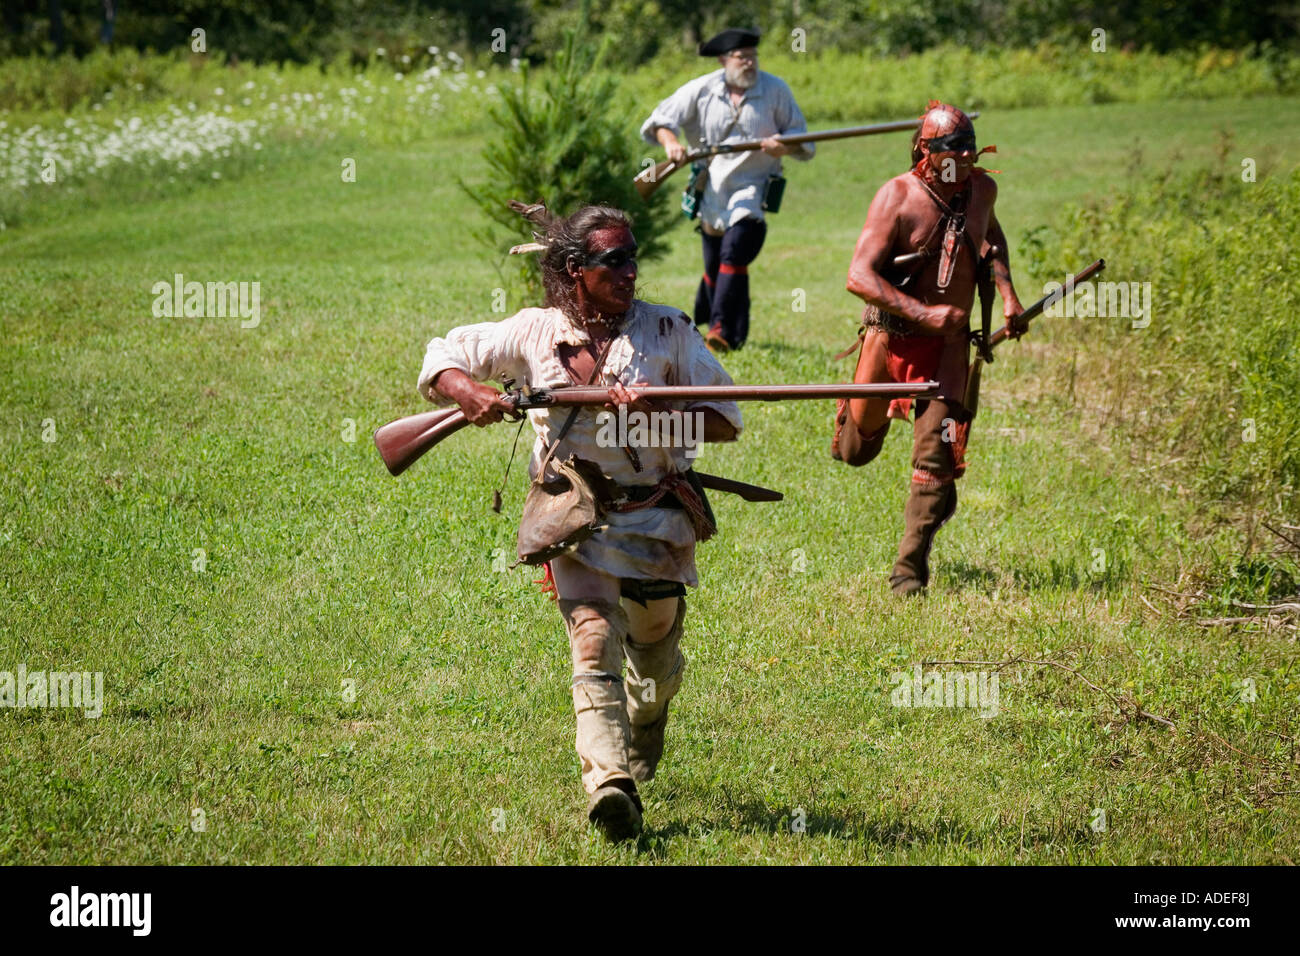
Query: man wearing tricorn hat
733, 104
916, 323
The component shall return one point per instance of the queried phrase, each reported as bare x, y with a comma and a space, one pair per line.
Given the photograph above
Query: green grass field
225, 671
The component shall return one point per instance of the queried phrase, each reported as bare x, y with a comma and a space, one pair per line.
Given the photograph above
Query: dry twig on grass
1121, 701
1288, 606
1295, 544
1281, 615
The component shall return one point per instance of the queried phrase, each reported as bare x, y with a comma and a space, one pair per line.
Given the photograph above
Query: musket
1001, 335
648, 180
403, 441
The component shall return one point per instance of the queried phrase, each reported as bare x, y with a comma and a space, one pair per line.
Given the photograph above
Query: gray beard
736, 77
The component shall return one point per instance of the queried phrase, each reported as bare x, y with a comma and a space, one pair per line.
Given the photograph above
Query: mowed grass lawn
225, 671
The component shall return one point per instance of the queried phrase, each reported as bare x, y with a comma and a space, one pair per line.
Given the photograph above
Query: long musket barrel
599, 395
1035, 310
648, 180
974, 374
402, 442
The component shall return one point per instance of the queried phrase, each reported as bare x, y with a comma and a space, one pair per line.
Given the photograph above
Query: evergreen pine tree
573, 142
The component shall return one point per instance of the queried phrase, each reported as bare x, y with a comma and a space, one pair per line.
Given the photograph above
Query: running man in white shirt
734, 104
622, 591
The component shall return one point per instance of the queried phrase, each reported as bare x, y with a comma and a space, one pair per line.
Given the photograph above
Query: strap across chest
573, 412
952, 221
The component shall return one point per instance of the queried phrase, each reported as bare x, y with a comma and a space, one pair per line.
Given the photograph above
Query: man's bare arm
671, 144
774, 147
482, 404
1002, 268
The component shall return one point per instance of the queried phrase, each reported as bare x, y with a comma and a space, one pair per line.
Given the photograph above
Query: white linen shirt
702, 108
656, 345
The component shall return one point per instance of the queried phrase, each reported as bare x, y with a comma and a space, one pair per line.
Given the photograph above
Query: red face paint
947, 144
609, 271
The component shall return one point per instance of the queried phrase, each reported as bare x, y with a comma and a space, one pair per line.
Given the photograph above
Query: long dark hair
565, 237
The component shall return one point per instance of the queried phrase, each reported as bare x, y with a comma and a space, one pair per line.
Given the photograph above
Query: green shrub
835, 87
569, 143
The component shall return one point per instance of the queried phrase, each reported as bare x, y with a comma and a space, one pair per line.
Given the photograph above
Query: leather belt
636, 493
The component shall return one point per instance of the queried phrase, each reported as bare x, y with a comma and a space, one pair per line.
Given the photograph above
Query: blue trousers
722, 301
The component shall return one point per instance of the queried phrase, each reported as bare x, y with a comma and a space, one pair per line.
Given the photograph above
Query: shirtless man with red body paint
915, 326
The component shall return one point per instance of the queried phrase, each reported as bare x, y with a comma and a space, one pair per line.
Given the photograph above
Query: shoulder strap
573, 413
735, 118
985, 285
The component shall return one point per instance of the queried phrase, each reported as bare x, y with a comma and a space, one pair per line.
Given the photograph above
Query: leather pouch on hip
693, 195
773, 193
561, 513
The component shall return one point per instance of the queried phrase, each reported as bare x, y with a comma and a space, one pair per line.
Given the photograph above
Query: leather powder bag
562, 512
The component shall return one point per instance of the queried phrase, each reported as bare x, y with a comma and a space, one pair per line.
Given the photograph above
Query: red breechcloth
911, 358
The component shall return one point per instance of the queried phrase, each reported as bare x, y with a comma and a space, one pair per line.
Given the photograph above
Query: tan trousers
602, 629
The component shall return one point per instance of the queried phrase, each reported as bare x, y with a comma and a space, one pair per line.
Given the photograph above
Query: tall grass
121, 126
830, 84
833, 86
1205, 396
404, 97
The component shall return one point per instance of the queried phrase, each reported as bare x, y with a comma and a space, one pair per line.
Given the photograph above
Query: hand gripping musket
984, 347
403, 441
649, 179
915, 259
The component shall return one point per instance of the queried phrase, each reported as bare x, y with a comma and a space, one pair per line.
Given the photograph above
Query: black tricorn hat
729, 40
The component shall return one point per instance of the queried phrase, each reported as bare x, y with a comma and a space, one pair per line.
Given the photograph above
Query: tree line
327, 30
